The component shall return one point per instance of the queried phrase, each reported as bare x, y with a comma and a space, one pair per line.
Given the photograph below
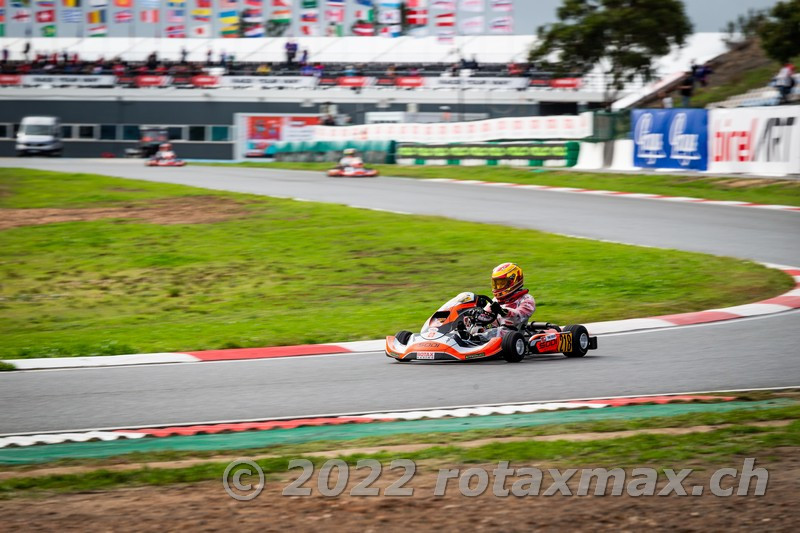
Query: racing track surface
748, 353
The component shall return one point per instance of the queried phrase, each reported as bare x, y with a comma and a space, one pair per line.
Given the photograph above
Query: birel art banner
670, 138
763, 140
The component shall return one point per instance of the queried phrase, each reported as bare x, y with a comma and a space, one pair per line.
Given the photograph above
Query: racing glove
498, 309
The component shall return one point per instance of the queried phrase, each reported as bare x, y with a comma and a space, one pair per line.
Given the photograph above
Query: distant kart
352, 172
153, 162
461, 331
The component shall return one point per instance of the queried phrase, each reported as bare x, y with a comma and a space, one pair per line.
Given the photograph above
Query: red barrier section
268, 353
701, 317
251, 426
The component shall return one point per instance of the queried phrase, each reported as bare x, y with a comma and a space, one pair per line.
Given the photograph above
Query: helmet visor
501, 284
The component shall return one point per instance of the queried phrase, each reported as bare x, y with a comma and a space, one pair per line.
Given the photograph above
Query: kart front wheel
580, 340
403, 337
513, 347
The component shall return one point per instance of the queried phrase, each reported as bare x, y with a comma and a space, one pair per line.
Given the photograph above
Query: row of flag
260, 18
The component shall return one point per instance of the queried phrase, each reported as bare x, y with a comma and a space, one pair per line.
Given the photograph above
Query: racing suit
348, 161
519, 306
165, 154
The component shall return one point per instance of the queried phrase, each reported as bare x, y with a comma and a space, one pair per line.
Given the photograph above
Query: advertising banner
476, 83
491, 152
759, 140
256, 133
670, 138
64, 81
269, 82
515, 128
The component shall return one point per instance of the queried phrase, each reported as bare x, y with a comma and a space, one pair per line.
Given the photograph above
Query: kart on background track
155, 162
352, 172
456, 332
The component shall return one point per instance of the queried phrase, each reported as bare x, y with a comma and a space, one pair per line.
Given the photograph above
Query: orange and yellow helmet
506, 280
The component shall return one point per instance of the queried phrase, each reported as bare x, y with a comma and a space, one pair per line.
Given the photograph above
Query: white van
39, 135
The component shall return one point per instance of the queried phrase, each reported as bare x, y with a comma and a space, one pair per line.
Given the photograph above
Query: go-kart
161, 162
352, 172
461, 330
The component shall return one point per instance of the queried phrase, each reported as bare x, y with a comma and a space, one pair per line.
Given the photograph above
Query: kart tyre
513, 347
403, 337
580, 340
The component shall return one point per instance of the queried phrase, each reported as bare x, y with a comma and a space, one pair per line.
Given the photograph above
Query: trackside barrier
528, 154
623, 156
592, 156
376, 152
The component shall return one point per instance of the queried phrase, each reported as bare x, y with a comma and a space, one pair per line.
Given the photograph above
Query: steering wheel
478, 314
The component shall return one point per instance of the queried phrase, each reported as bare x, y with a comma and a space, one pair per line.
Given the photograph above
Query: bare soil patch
206, 507
177, 210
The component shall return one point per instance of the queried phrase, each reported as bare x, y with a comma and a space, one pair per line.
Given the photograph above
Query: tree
622, 37
780, 33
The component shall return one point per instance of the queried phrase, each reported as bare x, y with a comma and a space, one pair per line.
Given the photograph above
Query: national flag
252, 3
203, 30
309, 4
282, 3
416, 4
2, 30
71, 15
363, 29
446, 36
20, 3
367, 15
444, 5
365, 3
230, 31
391, 4
502, 25
71, 3
176, 32
46, 3
417, 17
254, 31
123, 3
150, 16
201, 15
175, 15
46, 17
205, 4
472, 25
123, 16
96, 17
336, 3
49, 30
309, 17
473, 6
98, 31
334, 15
176, 3
98, 3
2, 15
389, 16
502, 5
446, 20
22, 15
281, 16
251, 16
391, 31
150, 3
228, 4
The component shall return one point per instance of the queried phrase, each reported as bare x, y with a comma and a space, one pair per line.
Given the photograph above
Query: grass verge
756, 190
104, 286
656, 450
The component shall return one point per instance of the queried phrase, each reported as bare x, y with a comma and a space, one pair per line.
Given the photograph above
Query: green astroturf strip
260, 439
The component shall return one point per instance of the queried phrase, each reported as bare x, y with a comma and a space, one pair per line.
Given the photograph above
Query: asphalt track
749, 353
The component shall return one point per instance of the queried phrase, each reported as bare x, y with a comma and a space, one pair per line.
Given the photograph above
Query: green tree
780, 33
622, 37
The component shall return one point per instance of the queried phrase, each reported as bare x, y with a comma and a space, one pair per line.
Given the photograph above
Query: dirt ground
206, 507
179, 210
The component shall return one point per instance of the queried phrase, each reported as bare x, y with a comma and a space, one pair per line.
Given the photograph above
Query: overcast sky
707, 16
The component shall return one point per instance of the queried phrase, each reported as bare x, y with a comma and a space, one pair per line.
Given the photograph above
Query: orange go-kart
461, 330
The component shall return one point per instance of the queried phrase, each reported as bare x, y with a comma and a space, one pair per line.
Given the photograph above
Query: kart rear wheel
403, 337
513, 347
580, 340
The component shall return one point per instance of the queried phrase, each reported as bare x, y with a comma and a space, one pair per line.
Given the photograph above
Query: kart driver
350, 159
512, 303
165, 152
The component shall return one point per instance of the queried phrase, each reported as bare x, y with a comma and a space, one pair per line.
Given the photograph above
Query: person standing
687, 89
785, 82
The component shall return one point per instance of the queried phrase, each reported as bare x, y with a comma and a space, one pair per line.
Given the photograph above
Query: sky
707, 15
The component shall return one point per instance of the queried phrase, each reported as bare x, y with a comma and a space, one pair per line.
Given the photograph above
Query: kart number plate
426, 355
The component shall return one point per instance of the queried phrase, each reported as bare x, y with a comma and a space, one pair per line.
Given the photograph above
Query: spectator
264, 70
222, 58
702, 73
152, 61
329, 120
349, 70
391, 71
319, 70
304, 57
686, 89
5, 55
785, 82
184, 54
26, 50
666, 100
291, 52
473, 63
209, 57
514, 69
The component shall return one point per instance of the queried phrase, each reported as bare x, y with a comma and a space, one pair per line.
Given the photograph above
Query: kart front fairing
440, 340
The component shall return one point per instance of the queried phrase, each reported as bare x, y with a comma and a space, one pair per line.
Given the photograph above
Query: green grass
739, 417
291, 272
665, 451
756, 190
